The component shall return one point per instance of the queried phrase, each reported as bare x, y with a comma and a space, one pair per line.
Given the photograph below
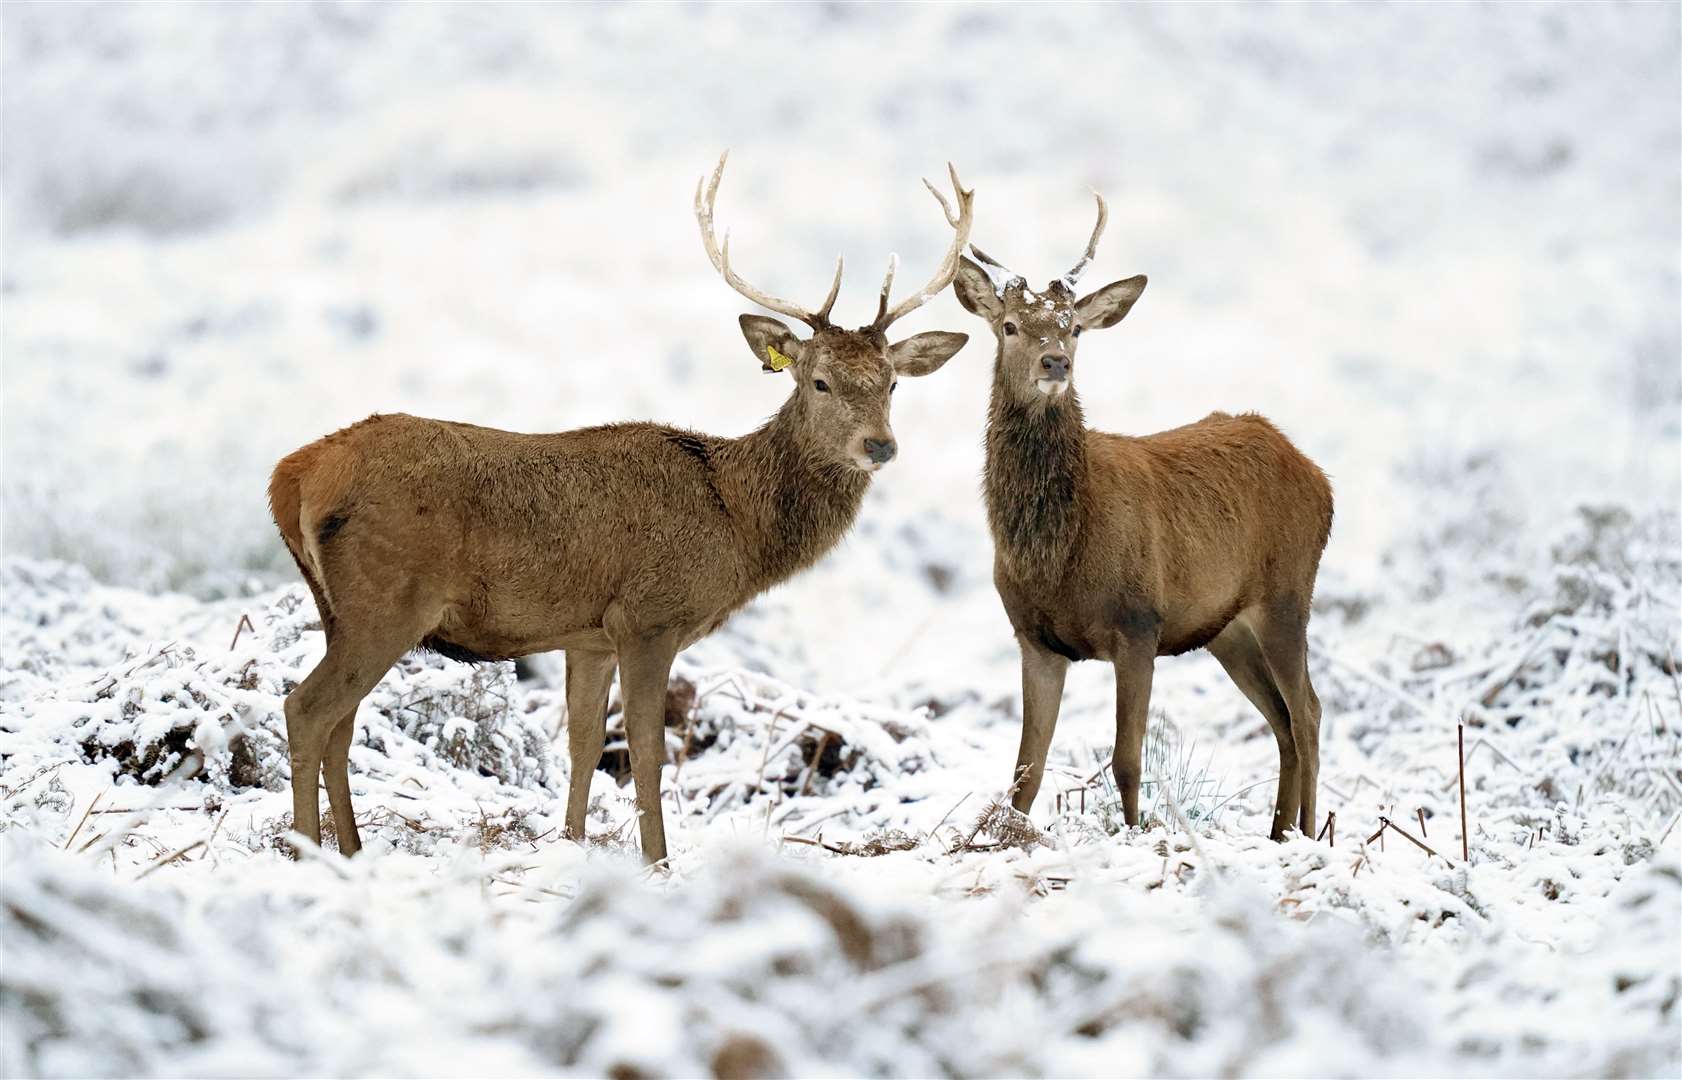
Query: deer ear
925, 353
1109, 305
774, 345
975, 291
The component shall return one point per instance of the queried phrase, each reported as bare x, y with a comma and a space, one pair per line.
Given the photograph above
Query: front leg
645, 666
1043, 672
589, 674
1134, 667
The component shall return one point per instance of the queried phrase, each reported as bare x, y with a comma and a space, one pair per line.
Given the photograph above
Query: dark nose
1056, 365
881, 451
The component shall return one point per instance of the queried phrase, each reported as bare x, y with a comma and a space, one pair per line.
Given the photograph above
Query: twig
244, 624
166, 860
932, 832
166, 789
534, 888
45, 770
1485, 744
1675, 679
1422, 831
1415, 841
818, 843
1329, 829
1465, 841
84, 820
817, 757
138, 809
1495, 686
1240, 791
1395, 691
1383, 823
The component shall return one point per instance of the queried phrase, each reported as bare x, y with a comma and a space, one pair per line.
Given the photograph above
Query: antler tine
834, 291
706, 199
1073, 276
948, 268
888, 283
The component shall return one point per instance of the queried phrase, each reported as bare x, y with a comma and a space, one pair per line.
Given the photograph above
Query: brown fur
1124, 548
619, 544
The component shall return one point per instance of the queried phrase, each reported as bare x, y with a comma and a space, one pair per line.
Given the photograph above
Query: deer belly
1194, 627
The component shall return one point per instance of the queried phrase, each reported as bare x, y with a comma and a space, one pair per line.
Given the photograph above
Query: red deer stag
620, 544
1126, 548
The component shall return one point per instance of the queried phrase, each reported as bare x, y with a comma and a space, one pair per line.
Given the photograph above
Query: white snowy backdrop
1438, 245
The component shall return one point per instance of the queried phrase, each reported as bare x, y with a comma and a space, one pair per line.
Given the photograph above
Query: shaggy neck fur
1036, 467
791, 504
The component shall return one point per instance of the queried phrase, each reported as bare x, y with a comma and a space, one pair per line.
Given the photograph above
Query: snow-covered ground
1436, 244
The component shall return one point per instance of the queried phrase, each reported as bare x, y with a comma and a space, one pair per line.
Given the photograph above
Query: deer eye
820, 386
1010, 329
892, 387
1077, 331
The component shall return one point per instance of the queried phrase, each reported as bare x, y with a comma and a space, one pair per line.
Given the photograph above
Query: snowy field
1436, 244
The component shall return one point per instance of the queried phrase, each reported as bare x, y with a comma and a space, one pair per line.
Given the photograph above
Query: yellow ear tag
777, 360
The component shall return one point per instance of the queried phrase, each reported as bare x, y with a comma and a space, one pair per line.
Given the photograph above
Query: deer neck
792, 505
1035, 472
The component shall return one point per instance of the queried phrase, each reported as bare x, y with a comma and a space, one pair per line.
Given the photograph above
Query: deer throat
793, 506
1035, 472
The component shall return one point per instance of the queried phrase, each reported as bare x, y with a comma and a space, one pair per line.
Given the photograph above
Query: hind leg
335, 773
1308, 752
589, 674
354, 664
1282, 631
1240, 653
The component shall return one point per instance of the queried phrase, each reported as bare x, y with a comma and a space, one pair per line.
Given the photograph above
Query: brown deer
619, 544
1127, 548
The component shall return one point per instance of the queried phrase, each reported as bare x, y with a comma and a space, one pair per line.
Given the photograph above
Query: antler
991, 264
1091, 245
706, 197
948, 266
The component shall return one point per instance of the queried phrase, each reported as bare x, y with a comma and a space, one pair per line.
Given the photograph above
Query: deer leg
589, 674
1240, 654
1043, 672
335, 772
1284, 645
1134, 668
1308, 752
645, 666
351, 668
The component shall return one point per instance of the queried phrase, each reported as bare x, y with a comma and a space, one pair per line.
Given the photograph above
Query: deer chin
865, 465
1052, 388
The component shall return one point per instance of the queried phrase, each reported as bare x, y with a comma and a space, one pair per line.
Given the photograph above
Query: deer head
1038, 331
844, 379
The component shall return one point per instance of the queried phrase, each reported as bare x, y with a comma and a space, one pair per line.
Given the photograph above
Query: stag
620, 545
1126, 548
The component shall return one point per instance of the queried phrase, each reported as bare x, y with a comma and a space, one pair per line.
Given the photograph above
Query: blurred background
1437, 244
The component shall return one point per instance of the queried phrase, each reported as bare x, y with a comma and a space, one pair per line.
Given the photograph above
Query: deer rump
500, 544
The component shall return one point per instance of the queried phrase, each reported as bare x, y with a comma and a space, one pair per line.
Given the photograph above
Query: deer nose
1055, 365
881, 451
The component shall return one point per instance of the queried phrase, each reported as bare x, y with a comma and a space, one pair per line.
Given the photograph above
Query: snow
1436, 247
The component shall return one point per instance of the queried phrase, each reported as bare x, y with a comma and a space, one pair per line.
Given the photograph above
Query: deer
1125, 548
619, 545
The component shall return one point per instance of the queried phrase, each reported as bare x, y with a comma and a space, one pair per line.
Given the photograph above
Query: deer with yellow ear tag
620, 544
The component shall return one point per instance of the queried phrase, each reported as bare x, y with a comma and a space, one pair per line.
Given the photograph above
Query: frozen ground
1438, 246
